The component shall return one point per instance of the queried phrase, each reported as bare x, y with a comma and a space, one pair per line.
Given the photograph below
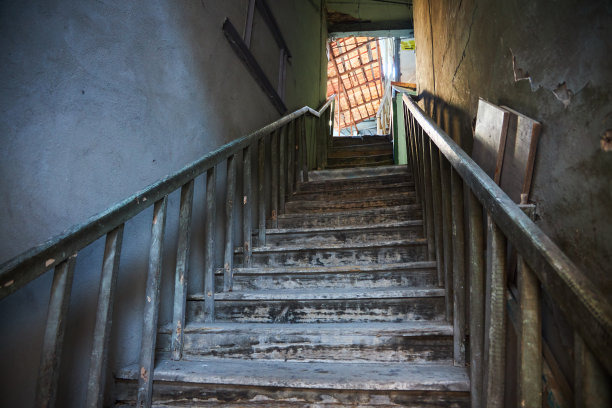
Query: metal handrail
27, 266
586, 308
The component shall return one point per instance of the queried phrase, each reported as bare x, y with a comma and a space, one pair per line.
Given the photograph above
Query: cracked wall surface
551, 61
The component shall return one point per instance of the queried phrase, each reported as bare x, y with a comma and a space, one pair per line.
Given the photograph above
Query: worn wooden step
346, 194
359, 140
360, 151
374, 160
345, 234
351, 217
413, 274
416, 342
354, 183
340, 204
261, 383
356, 173
335, 305
359, 253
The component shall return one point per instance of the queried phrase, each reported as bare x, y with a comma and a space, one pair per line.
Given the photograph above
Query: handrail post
51, 358
247, 239
458, 269
230, 198
182, 269
104, 318
151, 305
209, 252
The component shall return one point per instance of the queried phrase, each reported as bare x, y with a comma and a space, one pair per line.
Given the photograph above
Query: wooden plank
459, 306
51, 357
274, 187
431, 246
151, 305
248, 27
489, 138
282, 177
209, 249
447, 233
230, 198
268, 17
304, 147
181, 275
290, 158
591, 382
247, 197
104, 317
252, 66
477, 298
495, 317
436, 185
519, 155
261, 196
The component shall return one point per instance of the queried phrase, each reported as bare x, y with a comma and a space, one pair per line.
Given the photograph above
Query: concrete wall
471, 49
98, 100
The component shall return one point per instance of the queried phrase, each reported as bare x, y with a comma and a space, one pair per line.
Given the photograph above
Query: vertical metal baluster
228, 260
151, 305
477, 289
529, 337
275, 184
290, 158
495, 317
447, 231
458, 268
431, 248
247, 239
104, 318
182, 269
209, 253
591, 381
261, 197
282, 169
48, 374
437, 210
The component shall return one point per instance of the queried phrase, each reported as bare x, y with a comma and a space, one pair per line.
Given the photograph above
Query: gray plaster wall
550, 61
98, 99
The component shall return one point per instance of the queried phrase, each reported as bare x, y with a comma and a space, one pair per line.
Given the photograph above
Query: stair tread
326, 294
331, 269
336, 245
356, 172
356, 211
325, 375
385, 225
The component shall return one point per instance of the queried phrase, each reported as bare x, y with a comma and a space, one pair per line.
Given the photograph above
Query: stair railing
443, 173
293, 152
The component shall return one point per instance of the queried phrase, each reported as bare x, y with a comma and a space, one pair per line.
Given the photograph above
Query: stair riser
321, 311
324, 206
374, 216
313, 347
364, 140
357, 193
364, 151
180, 394
359, 162
359, 256
412, 278
347, 236
373, 182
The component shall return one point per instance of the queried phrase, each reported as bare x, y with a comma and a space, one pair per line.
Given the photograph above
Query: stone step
276, 237
374, 215
414, 274
374, 160
359, 140
345, 194
322, 305
356, 173
354, 183
360, 151
327, 206
415, 342
261, 383
361, 253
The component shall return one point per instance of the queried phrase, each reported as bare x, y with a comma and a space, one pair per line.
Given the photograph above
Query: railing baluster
261, 197
591, 381
282, 168
458, 268
431, 248
209, 252
529, 337
182, 269
290, 158
48, 374
437, 210
274, 187
304, 148
104, 318
476, 265
495, 317
418, 137
228, 260
447, 231
151, 305
247, 239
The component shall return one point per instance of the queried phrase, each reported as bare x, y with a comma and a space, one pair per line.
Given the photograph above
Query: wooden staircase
340, 307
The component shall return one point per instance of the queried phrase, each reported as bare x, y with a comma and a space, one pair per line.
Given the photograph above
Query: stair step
404, 212
360, 150
359, 253
349, 162
354, 183
359, 140
344, 234
415, 274
323, 205
346, 194
417, 342
256, 383
322, 305
356, 173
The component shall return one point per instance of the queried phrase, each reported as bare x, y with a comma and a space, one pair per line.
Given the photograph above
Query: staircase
340, 307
